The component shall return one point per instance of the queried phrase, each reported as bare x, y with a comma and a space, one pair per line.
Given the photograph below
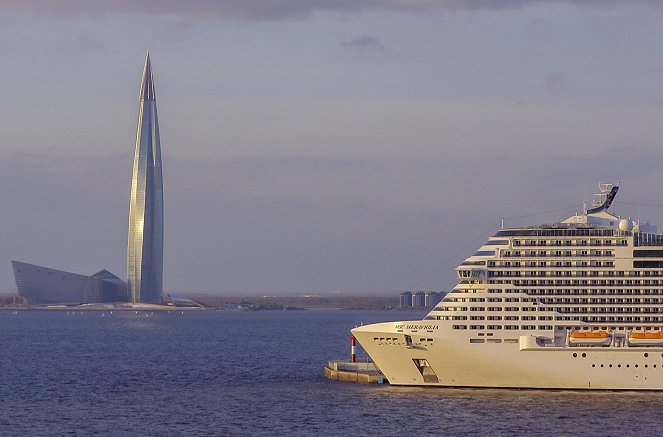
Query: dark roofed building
43, 285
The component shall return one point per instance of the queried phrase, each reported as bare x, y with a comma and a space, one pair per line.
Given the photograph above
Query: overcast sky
321, 145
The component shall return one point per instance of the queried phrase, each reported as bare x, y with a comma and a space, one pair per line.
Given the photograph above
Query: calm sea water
260, 373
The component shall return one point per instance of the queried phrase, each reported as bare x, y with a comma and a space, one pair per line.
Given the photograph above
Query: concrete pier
346, 371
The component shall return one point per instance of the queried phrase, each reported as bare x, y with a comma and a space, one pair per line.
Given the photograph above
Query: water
258, 373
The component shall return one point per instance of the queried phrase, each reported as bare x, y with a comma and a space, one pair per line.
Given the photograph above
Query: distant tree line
345, 302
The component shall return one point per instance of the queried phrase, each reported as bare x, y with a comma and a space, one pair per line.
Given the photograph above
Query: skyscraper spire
145, 245
147, 84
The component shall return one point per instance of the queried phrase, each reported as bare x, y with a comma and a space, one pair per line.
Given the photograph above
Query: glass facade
43, 285
145, 245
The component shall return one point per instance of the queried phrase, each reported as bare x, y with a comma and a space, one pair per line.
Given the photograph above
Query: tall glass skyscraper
145, 248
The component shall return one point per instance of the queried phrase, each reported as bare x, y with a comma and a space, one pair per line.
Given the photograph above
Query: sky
321, 146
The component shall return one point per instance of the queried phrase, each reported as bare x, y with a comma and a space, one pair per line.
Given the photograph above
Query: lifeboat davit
590, 338
645, 338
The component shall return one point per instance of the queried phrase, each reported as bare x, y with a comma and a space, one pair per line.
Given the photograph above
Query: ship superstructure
575, 304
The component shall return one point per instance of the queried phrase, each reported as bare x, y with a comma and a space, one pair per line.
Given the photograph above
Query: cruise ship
571, 305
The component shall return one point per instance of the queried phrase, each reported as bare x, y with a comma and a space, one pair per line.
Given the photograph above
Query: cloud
553, 81
261, 10
365, 43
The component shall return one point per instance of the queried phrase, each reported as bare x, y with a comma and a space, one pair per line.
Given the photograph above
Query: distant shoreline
101, 307
241, 303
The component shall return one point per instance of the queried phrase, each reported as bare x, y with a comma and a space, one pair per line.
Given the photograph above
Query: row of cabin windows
561, 309
594, 291
574, 282
593, 318
467, 299
611, 328
620, 273
648, 291
507, 327
642, 296
519, 264
555, 253
482, 309
644, 239
570, 232
586, 299
586, 319
482, 299
524, 309
603, 310
492, 290
557, 273
611, 319
489, 299
604, 301
553, 264
526, 318
570, 242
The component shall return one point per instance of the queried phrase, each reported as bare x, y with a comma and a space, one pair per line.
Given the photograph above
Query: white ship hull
550, 306
452, 361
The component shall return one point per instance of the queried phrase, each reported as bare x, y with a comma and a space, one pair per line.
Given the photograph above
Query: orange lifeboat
645, 338
590, 338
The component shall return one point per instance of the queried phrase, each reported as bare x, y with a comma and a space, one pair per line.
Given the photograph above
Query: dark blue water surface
257, 373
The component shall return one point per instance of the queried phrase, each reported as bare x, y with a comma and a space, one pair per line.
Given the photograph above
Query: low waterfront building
182, 301
43, 285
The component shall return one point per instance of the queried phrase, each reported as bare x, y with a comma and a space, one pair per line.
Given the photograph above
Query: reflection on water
261, 373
